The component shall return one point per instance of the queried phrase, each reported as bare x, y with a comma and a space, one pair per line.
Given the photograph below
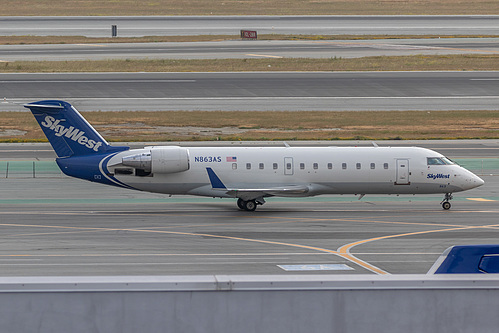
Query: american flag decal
231, 159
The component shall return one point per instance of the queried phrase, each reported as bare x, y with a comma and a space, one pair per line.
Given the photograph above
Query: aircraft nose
469, 180
479, 181
473, 181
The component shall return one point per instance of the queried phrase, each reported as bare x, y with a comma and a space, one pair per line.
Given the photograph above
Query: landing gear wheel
240, 203
446, 205
250, 205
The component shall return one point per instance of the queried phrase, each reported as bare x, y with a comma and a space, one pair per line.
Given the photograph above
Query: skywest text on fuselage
437, 176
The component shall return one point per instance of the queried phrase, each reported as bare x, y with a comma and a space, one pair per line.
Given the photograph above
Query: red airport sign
248, 34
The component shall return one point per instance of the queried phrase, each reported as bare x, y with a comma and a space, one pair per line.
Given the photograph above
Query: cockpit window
447, 161
439, 161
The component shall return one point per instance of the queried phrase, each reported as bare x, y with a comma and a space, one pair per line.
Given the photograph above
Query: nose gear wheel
445, 203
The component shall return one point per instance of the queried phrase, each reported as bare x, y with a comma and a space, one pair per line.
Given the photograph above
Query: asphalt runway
257, 91
238, 49
71, 227
63, 227
133, 26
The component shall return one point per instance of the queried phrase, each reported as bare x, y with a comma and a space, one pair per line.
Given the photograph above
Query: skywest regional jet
246, 174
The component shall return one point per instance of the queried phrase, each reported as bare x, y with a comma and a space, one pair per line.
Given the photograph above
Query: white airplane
247, 174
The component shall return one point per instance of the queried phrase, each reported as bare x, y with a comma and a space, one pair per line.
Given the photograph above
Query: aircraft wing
253, 193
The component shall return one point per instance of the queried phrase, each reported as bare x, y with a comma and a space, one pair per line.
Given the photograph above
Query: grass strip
378, 63
271, 125
247, 7
29, 40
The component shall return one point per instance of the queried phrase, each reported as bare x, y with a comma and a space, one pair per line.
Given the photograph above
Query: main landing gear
249, 205
445, 203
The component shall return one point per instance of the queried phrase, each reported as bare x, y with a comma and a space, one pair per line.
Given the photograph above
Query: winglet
215, 181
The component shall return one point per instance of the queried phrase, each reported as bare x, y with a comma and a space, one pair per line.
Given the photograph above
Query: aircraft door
288, 165
403, 172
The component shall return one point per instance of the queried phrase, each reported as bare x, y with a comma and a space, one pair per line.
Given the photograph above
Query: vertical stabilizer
68, 132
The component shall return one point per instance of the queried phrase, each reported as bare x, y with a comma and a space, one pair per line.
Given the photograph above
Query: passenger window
248, 166
234, 166
373, 166
316, 166
302, 166
288, 166
275, 166
385, 166
358, 166
343, 166
261, 166
330, 166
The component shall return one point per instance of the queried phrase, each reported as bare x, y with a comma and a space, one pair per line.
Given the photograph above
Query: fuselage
248, 174
321, 170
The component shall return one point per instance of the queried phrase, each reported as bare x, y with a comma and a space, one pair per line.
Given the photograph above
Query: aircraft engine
169, 159
138, 161
160, 160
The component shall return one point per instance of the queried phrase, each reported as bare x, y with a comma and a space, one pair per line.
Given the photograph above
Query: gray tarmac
62, 226
257, 91
237, 49
134, 26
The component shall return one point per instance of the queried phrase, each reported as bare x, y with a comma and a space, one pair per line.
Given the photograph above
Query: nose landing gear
445, 203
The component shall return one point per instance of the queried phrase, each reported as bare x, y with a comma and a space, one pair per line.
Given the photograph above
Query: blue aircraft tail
68, 132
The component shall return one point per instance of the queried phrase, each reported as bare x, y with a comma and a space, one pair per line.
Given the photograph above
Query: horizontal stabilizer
49, 107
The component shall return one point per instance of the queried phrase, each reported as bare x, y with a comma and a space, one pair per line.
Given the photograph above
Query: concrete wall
316, 303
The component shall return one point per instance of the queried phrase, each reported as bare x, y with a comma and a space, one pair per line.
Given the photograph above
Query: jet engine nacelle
169, 159
160, 160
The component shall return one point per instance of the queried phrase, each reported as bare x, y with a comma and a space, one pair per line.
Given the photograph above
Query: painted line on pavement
480, 199
264, 56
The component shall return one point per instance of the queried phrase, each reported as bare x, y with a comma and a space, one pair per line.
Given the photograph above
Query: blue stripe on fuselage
89, 168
